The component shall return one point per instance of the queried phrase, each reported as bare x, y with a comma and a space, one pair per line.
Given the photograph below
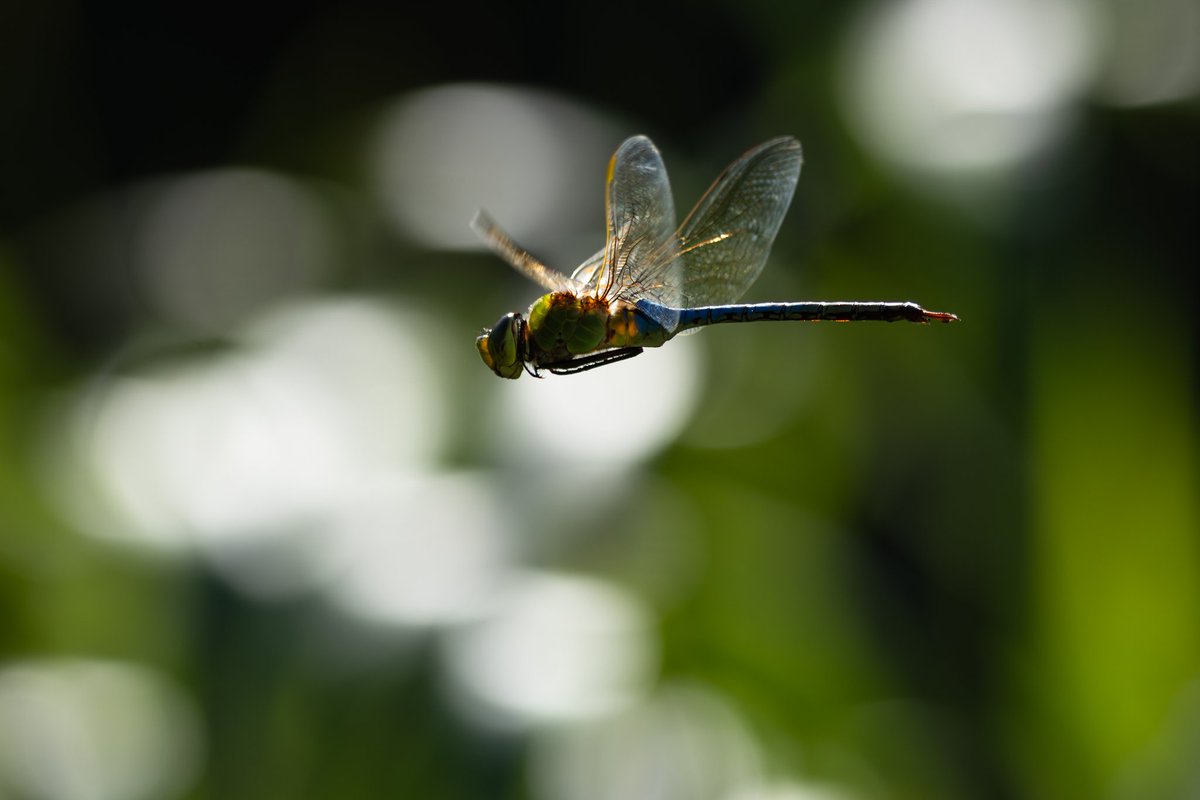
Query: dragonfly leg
584, 363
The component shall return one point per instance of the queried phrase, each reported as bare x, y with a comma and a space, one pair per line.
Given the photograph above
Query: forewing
640, 236
725, 240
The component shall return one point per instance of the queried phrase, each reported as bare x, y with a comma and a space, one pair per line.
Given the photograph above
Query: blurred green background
268, 527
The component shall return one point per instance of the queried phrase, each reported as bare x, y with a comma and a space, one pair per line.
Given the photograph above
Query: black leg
584, 363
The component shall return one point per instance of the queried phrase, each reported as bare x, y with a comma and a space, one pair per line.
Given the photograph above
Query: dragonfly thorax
563, 325
562, 328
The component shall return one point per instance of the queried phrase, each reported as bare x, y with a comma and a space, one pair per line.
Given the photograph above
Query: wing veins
519, 258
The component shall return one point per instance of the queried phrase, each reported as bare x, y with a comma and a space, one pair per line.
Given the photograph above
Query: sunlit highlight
214, 247
94, 729
572, 405
965, 86
555, 648
264, 441
788, 790
1155, 52
441, 154
419, 551
685, 742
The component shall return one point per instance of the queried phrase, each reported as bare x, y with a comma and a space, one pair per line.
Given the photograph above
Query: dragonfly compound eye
500, 347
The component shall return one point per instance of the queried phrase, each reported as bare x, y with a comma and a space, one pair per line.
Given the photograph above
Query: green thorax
563, 325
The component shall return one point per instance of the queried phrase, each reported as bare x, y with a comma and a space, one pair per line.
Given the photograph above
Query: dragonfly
652, 280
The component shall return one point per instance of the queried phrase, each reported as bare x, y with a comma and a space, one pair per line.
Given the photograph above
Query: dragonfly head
503, 347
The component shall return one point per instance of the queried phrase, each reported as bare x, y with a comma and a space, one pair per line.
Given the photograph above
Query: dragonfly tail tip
940, 316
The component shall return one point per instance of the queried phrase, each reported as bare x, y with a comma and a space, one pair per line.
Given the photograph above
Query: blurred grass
1116, 558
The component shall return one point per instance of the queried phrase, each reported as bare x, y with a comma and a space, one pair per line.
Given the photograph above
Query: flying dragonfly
652, 281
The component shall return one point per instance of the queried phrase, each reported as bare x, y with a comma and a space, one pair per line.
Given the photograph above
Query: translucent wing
586, 272
724, 241
640, 233
521, 259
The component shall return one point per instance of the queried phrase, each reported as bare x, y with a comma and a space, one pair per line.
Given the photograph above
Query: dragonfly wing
640, 233
521, 259
585, 273
725, 239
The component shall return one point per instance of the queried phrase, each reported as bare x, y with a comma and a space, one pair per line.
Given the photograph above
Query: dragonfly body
652, 281
562, 325
563, 330
849, 311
